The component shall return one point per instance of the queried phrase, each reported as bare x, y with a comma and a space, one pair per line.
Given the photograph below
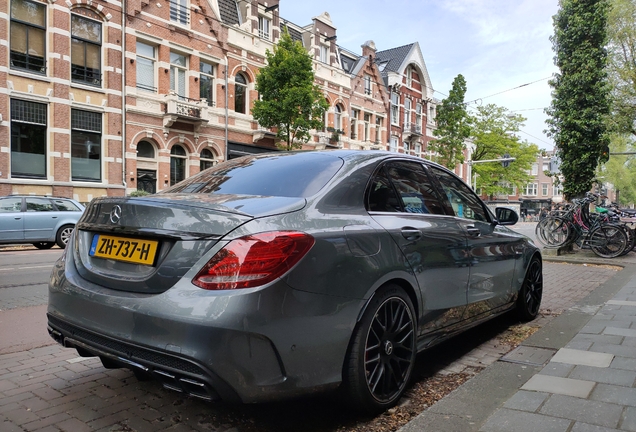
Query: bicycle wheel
607, 241
553, 232
631, 239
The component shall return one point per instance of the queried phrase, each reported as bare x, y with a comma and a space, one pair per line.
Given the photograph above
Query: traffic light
605, 154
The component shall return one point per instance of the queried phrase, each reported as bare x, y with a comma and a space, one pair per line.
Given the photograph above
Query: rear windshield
284, 175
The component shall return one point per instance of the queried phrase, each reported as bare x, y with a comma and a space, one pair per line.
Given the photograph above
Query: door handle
17, 217
473, 231
411, 234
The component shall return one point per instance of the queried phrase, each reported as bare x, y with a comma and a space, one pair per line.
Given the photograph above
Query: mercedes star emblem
115, 214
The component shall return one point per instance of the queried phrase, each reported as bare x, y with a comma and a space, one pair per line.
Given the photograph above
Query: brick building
100, 101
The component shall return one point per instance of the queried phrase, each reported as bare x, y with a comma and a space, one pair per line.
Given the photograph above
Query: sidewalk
576, 374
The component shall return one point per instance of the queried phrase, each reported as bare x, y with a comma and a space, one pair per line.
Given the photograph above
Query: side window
38, 205
414, 187
462, 199
382, 196
10, 205
63, 205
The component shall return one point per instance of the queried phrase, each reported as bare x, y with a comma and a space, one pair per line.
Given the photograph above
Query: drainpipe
227, 113
123, 96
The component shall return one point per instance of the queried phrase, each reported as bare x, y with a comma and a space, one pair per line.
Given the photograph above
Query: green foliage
580, 97
621, 31
620, 170
138, 193
453, 126
494, 134
289, 99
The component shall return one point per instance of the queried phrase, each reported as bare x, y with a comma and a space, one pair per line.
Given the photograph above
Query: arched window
145, 150
240, 94
178, 158
207, 159
337, 117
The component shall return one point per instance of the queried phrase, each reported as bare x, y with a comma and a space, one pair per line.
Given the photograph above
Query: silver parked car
279, 275
40, 220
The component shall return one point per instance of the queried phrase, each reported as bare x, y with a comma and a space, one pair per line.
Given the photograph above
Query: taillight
253, 260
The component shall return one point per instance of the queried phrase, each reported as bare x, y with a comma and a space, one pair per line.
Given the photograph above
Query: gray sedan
280, 275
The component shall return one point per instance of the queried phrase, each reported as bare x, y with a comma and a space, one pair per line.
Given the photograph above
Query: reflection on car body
283, 274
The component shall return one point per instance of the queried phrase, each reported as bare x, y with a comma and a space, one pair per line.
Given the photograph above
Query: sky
501, 47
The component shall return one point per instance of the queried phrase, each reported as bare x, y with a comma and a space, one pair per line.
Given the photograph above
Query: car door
403, 201
40, 219
11, 219
493, 250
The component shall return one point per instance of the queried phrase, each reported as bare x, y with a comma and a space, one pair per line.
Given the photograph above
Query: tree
620, 170
621, 30
453, 126
289, 99
494, 134
580, 91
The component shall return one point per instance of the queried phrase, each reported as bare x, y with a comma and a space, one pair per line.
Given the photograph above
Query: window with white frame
179, 12
146, 55
557, 190
379, 122
28, 36
337, 117
206, 82
367, 84
264, 26
240, 93
86, 51
28, 139
535, 169
546, 166
431, 114
407, 113
354, 123
393, 144
544, 189
367, 126
418, 149
395, 108
531, 189
409, 76
418, 116
178, 162
407, 147
86, 145
178, 69
324, 53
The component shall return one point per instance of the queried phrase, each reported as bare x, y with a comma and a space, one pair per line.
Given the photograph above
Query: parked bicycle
602, 232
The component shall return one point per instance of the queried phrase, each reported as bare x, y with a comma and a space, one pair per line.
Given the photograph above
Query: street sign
506, 161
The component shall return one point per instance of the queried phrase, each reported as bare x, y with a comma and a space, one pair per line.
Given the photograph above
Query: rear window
63, 205
284, 175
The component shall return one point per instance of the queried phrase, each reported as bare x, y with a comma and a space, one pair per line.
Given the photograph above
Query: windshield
285, 175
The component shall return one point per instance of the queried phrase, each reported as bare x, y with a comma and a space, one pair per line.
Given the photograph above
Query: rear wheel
553, 232
382, 351
63, 235
608, 241
44, 245
529, 299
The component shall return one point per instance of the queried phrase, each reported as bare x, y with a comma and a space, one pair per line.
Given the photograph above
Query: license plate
124, 249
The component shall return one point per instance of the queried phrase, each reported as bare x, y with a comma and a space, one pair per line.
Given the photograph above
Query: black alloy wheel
529, 300
383, 351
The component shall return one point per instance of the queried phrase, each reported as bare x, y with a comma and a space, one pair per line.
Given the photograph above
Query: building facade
96, 100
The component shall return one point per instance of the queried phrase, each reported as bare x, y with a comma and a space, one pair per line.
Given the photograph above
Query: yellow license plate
124, 249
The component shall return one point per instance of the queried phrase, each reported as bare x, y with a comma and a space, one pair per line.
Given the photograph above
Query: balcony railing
86, 75
180, 108
28, 62
413, 129
179, 13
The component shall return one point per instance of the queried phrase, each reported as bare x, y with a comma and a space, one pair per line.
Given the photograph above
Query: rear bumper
246, 345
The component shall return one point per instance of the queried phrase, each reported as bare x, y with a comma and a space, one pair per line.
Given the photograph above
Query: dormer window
264, 26
179, 11
324, 53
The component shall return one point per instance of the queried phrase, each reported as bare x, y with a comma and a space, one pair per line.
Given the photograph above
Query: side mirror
506, 216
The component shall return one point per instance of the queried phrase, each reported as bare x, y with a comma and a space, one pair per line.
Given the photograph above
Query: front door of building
147, 180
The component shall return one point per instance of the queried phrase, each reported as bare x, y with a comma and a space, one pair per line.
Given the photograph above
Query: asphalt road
24, 276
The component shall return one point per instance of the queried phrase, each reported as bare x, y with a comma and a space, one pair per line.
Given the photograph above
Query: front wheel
44, 245
531, 291
608, 241
382, 351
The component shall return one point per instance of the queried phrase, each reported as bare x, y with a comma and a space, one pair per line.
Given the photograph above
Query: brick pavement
52, 389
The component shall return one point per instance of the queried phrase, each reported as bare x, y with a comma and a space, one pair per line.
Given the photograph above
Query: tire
553, 232
631, 239
44, 245
608, 241
382, 351
529, 299
63, 235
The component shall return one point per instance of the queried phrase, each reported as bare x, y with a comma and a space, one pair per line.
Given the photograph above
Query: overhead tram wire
506, 91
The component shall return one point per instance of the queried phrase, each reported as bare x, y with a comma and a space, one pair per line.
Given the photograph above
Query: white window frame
531, 189
264, 27
407, 113
176, 71
179, 12
393, 144
367, 84
395, 109
149, 61
544, 189
324, 54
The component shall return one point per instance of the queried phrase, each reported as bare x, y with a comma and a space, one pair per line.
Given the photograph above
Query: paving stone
586, 411
624, 363
557, 369
558, 385
629, 419
74, 425
604, 375
584, 427
505, 420
600, 338
578, 357
8, 426
620, 332
526, 401
614, 394
621, 303
579, 345
21, 415
618, 350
